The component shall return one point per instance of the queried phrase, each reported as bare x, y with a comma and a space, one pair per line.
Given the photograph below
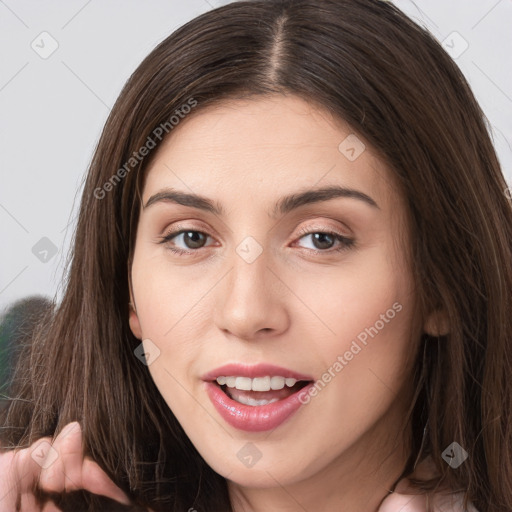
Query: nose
250, 304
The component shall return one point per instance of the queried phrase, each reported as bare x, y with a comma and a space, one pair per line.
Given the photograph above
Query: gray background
52, 109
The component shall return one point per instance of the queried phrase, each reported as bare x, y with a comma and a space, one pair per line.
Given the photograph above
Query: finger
17, 481
28, 503
71, 471
27, 463
95, 480
50, 507
63, 474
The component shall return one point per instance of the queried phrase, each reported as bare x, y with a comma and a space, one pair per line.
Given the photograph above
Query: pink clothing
397, 502
403, 498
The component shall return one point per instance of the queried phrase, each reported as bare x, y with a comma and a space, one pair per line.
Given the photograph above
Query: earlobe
133, 320
437, 324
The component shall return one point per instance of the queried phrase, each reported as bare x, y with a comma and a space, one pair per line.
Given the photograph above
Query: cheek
366, 312
167, 295
173, 314
358, 295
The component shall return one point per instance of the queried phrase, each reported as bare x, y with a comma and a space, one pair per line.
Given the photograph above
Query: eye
323, 241
191, 238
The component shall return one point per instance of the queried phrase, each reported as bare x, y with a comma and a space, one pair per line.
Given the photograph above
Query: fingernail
70, 427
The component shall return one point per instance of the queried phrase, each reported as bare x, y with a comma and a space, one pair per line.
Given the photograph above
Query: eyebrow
285, 205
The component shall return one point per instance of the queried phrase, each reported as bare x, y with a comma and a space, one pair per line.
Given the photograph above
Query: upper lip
253, 371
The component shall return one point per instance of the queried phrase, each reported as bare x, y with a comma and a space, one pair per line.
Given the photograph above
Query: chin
262, 478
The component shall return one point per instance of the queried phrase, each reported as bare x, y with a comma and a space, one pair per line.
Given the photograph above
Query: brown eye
194, 239
188, 239
323, 240
326, 241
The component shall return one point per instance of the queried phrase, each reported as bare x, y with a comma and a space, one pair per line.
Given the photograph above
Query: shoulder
454, 503
397, 502
406, 499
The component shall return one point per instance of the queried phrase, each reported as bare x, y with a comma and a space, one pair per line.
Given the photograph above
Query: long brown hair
368, 64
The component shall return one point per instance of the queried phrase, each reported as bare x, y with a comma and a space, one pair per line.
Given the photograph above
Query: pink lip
246, 417
254, 419
253, 371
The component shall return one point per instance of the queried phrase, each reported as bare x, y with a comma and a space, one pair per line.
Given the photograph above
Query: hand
51, 467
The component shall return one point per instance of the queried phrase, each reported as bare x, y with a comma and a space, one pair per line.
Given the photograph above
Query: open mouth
256, 398
256, 404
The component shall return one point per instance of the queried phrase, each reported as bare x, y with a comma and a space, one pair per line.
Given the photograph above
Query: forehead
270, 145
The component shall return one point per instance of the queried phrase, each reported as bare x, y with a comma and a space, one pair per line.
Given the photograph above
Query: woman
290, 284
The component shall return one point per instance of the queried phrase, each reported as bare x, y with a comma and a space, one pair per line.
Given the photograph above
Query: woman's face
241, 260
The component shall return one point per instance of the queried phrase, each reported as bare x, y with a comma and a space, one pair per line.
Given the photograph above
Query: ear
437, 324
133, 318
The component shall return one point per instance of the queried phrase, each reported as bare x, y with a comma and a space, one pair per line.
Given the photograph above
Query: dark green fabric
17, 325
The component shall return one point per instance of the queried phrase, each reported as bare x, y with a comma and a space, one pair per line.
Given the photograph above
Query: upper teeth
257, 384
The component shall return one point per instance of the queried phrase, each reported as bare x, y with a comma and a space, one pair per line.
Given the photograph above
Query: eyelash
345, 242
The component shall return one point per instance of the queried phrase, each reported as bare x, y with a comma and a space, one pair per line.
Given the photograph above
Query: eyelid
179, 228
318, 228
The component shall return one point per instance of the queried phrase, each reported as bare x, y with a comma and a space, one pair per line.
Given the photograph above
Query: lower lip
254, 419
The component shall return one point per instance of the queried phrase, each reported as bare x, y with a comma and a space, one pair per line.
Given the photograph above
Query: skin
58, 468
293, 306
